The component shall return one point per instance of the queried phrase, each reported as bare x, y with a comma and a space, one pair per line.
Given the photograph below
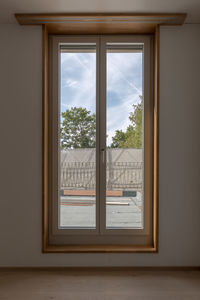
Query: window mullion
102, 111
98, 188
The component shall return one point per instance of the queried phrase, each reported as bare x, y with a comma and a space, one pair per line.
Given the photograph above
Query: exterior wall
21, 154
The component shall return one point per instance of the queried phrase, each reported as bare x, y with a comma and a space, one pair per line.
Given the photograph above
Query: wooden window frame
99, 24
55, 241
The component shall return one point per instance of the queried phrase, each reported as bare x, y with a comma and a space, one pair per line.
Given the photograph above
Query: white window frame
100, 235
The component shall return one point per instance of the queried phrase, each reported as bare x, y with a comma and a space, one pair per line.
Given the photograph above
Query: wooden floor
99, 285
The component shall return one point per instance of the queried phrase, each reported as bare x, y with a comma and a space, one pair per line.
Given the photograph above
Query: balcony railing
119, 175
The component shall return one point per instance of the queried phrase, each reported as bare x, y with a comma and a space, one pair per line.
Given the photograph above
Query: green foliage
78, 129
119, 139
132, 137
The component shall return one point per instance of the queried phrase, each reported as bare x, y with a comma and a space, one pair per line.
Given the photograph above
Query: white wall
21, 154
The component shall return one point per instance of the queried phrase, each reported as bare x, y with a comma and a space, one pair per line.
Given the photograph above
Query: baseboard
103, 269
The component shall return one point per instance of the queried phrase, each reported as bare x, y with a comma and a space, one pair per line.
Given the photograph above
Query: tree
132, 137
119, 139
78, 129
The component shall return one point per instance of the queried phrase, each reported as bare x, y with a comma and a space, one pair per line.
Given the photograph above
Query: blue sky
124, 85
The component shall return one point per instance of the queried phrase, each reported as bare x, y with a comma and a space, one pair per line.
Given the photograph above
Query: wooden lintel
101, 23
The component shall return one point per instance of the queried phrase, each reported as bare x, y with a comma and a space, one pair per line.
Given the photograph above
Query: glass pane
77, 136
124, 169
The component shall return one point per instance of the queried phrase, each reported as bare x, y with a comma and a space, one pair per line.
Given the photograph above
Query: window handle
103, 155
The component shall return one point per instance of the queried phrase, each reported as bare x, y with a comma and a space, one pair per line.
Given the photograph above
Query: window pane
124, 169
77, 136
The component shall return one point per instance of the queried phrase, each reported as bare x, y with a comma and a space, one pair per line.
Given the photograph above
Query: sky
124, 85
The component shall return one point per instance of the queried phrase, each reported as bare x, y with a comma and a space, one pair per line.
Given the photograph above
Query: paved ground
124, 212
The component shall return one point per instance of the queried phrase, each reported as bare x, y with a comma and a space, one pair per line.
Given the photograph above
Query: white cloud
119, 66
70, 83
78, 77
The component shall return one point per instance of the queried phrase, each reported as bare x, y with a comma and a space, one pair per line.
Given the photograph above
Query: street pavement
121, 212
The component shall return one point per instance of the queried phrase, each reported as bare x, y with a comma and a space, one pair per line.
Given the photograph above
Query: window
103, 180
101, 141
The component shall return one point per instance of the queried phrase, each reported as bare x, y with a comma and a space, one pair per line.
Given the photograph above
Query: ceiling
9, 7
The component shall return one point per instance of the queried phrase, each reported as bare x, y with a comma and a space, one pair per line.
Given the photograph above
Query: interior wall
21, 153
